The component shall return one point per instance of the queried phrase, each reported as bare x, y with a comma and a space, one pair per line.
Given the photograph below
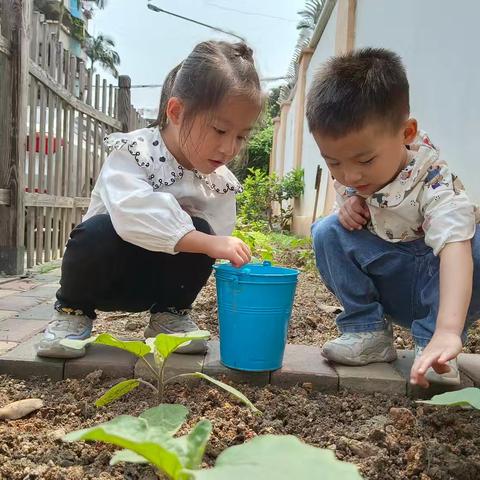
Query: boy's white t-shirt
151, 198
426, 200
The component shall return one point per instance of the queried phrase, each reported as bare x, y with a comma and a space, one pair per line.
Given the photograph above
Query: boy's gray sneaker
450, 378
75, 327
361, 348
175, 323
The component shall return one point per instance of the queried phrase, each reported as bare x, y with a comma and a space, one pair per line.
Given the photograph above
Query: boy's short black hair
352, 89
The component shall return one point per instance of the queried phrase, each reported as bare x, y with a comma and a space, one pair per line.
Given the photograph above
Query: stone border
303, 365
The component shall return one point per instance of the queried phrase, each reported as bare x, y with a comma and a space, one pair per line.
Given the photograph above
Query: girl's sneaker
361, 348
76, 327
450, 378
175, 322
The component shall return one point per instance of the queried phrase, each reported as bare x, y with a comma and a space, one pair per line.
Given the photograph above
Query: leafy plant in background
258, 242
462, 398
289, 250
162, 346
259, 145
255, 202
290, 187
262, 191
259, 148
100, 49
150, 438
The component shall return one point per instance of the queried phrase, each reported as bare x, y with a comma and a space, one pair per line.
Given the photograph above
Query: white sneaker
175, 323
76, 327
361, 348
450, 378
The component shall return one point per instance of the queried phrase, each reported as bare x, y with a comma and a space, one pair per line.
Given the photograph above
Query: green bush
261, 191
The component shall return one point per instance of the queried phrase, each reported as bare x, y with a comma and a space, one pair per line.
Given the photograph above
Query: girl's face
214, 138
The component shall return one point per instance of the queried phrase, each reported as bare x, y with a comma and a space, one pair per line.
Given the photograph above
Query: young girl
163, 208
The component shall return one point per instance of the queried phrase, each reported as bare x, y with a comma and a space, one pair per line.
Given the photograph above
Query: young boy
403, 243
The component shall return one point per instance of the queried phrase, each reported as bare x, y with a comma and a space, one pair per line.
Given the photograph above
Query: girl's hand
229, 248
354, 213
223, 248
443, 346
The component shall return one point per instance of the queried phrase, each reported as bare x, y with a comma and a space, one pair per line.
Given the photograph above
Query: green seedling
162, 346
467, 397
150, 438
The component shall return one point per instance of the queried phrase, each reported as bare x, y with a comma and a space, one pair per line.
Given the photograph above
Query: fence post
14, 136
123, 99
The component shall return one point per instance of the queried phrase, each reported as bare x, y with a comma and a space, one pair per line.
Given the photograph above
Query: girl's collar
163, 170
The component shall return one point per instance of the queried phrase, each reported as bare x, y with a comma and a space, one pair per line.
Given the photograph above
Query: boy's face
367, 159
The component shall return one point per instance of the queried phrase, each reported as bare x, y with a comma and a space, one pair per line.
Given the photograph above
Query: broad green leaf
167, 417
193, 445
466, 397
167, 344
134, 434
116, 392
127, 456
136, 347
271, 457
228, 388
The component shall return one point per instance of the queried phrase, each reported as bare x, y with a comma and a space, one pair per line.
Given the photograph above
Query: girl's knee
95, 235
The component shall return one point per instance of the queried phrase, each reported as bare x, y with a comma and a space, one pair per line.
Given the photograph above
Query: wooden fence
54, 114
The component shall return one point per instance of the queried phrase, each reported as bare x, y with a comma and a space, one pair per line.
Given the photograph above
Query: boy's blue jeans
373, 278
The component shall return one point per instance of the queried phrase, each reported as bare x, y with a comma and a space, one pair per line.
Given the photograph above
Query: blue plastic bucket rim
228, 268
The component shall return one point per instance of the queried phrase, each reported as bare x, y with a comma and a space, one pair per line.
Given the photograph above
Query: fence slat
88, 139
95, 130
42, 144
56, 243
50, 142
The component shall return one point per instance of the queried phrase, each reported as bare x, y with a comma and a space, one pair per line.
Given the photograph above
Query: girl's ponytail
165, 96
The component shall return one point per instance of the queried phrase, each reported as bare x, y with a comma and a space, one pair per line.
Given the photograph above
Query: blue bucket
254, 308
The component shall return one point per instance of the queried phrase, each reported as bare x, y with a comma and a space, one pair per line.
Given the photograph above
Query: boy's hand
354, 213
443, 346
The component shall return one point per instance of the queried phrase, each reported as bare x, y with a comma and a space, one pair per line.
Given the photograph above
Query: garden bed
387, 437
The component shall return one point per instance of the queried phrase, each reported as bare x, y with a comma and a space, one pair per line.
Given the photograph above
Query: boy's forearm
456, 277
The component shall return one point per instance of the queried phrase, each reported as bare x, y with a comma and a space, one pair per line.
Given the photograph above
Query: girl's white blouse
151, 198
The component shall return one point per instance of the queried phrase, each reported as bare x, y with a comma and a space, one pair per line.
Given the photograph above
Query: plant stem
148, 384
161, 385
180, 375
155, 373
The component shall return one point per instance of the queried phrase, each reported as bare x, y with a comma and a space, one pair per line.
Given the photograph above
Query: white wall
439, 43
290, 137
310, 154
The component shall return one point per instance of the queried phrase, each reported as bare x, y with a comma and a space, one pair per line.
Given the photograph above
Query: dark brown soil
387, 437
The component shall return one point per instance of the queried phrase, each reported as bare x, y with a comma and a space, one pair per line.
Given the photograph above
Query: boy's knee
476, 252
325, 231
